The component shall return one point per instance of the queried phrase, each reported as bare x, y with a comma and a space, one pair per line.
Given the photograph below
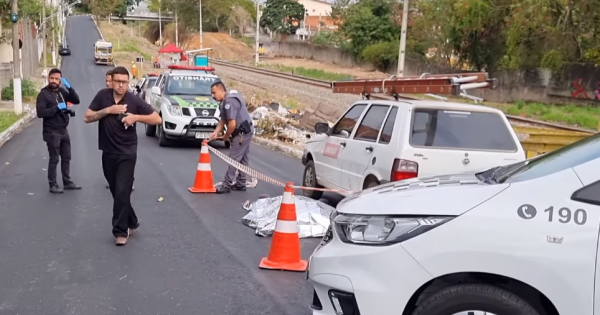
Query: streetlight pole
44, 50
159, 24
402, 49
200, 10
17, 97
257, 34
176, 30
53, 42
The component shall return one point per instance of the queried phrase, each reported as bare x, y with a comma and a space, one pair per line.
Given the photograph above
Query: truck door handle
370, 149
343, 144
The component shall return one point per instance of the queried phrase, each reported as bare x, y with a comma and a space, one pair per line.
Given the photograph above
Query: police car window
570, 156
460, 130
388, 128
150, 82
348, 121
370, 125
190, 85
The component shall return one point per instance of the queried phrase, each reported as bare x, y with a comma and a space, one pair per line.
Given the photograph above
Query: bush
382, 55
28, 91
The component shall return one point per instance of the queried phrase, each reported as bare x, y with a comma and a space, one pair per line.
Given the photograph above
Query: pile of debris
278, 122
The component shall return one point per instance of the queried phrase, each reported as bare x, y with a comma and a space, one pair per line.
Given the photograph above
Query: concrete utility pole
44, 50
200, 10
402, 50
159, 24
257, 34
53, 42
17, 97
176, 30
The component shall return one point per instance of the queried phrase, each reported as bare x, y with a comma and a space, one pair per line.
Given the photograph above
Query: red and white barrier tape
260, 176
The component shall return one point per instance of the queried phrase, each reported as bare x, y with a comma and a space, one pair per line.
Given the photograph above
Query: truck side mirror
321, 127
155, 90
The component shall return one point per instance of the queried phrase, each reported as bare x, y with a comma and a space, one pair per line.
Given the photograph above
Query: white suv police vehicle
520, 239
381, 141
182, 98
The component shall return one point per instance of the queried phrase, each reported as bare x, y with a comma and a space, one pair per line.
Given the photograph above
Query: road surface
192, 255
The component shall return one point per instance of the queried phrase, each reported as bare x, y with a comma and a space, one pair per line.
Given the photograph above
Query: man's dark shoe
72, 186
223, 190
238, 187
56, 190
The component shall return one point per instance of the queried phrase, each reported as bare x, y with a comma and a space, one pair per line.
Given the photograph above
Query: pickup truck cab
383, 141
182, 98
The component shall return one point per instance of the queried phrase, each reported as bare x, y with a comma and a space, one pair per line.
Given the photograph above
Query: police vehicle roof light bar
446, 84
180, 67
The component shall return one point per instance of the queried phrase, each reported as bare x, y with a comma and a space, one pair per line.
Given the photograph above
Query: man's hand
213, 136
129, 120
117, 109
62, 106
65, 83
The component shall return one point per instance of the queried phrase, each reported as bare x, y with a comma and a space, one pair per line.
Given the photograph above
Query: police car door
363, 155
328, 164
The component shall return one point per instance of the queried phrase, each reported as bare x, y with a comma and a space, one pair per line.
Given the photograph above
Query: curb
278, 147
16, 127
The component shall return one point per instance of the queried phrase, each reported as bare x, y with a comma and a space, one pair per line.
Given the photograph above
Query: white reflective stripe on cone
203, 167
286, 226
204, 149
287, 198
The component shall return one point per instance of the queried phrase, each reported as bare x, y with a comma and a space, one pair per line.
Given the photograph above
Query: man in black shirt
117, 111
51, 106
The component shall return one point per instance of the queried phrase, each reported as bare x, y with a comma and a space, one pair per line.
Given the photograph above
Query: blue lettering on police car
193, 78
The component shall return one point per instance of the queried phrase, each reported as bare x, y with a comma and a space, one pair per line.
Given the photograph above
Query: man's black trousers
59, 148
119, 173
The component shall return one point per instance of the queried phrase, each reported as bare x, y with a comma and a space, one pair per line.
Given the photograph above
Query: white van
380, 141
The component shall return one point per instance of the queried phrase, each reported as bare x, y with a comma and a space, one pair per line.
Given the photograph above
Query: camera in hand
69, 111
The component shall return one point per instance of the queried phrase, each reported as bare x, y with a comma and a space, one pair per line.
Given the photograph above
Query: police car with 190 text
519, 239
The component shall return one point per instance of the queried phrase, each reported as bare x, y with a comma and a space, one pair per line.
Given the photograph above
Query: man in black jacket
52, 107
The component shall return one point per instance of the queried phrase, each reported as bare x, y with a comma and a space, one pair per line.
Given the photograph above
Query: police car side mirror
321, 128
155, 90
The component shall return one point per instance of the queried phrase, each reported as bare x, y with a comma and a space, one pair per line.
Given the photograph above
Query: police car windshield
190, 85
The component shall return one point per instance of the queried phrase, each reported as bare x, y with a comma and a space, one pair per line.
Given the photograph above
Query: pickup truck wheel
150, 130
310, 180
162, 139
464, 298
371, 182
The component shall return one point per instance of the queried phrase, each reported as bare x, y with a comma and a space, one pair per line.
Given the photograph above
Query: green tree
370, 21
282, 16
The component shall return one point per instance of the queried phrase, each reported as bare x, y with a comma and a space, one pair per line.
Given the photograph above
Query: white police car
182, 98
520, 239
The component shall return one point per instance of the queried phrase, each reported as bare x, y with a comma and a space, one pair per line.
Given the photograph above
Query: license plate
202, 135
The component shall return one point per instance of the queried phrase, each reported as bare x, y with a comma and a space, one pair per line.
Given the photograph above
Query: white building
316, 7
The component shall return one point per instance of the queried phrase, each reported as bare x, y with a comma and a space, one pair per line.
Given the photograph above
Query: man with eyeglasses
117, 110
110, 86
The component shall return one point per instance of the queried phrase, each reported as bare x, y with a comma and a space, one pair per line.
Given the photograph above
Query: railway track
327, 85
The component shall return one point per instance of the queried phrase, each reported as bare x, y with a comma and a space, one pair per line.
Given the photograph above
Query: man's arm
145, 113
40, 107
95, 111
231, 109
220, 125
72, 96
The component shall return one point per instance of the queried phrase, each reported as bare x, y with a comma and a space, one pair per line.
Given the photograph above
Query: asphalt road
192, 255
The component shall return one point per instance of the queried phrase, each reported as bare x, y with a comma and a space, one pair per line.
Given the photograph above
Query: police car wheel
309, 179
475, 298
162, 139
150, 130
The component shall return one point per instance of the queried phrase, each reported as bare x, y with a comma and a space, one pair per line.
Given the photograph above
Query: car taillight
404, 169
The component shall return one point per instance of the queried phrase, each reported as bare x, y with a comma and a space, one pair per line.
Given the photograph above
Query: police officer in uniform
234, 115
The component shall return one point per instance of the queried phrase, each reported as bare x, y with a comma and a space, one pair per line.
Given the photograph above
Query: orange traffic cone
285, 247
204, 179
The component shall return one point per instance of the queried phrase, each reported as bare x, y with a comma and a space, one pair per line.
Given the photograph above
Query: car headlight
174, 110
383, 230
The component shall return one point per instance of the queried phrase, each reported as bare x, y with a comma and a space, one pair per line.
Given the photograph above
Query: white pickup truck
103, 52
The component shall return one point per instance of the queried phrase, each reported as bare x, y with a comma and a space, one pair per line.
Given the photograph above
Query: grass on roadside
581, 116
310, 73
7, 119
